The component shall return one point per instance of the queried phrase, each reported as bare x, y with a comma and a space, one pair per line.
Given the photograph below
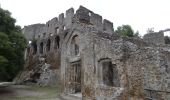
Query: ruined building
80, 51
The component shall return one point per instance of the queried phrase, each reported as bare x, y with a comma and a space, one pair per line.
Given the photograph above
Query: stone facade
33, 31
81, 52
155, 38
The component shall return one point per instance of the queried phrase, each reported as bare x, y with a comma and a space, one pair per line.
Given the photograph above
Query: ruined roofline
80, 13
37, 24
65, 21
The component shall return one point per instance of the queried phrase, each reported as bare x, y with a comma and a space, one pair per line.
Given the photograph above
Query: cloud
140, 14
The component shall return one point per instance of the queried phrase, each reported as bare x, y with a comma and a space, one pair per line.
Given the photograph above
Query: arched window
48, 44
41, 48
57, 42
75, 45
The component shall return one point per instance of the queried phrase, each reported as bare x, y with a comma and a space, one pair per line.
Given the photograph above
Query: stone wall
154, 38
32, 31
81, 51
58, 25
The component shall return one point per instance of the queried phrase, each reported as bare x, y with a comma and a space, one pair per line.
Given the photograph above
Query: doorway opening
76, 74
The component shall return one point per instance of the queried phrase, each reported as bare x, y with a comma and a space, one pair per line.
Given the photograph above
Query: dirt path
21, 92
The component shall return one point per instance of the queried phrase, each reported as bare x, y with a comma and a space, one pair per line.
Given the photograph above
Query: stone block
108, 26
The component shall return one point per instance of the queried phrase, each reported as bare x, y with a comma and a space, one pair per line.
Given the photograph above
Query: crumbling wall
140, 70
138, 67
93, 48
156, 73
32, 31
155, 38
131, 84
57, 25
84, 15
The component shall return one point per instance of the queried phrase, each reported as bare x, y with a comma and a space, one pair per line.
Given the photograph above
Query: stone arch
57, 42
75, 45
48, 46
41, 48
108, 73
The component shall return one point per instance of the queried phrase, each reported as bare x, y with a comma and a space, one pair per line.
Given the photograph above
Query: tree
126, 30
12, 45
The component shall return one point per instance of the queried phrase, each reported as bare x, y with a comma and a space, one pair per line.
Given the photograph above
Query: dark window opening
44, 34
34, 77
34, 45
41, 48
28, 50
57, 42
65, 34
76, 49
75, 45
108, 73
48, 44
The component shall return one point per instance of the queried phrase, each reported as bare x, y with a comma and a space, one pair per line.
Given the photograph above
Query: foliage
12, 45
126, 30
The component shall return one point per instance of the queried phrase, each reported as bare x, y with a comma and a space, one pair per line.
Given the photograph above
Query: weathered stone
33, 31
155, 38
81, 53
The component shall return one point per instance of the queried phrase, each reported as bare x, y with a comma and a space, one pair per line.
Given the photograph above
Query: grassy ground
21, 92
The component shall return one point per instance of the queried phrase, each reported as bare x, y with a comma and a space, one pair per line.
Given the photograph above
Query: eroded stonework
81, 52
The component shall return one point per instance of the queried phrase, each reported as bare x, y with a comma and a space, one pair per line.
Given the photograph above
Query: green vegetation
12, 45
126, 30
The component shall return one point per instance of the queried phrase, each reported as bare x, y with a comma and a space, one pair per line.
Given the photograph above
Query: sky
140, 14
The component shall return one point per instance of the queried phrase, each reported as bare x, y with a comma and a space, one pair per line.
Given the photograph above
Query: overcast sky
140, 14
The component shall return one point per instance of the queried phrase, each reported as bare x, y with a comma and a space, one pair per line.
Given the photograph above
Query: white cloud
140, 14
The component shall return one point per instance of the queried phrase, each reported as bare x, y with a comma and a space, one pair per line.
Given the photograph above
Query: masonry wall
155, 38
141, 70
93, 48
79, 30
138, 68
32, 31
118, 52
157, 73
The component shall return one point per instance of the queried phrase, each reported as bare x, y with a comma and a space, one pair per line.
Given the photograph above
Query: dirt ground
23, 92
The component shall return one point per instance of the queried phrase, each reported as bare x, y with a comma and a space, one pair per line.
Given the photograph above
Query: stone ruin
81, 52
